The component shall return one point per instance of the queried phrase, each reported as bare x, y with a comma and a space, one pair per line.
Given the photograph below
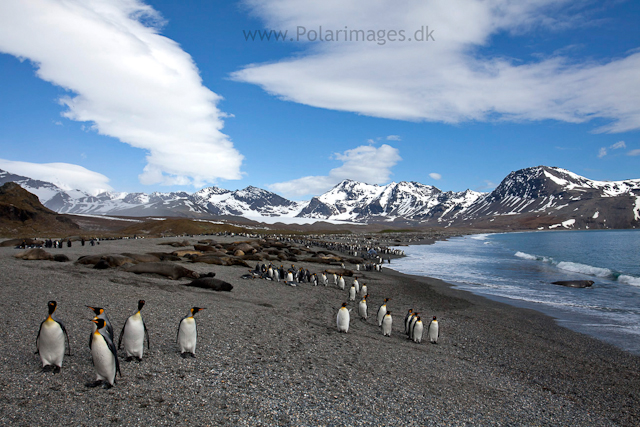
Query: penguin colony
52, 337
413, 325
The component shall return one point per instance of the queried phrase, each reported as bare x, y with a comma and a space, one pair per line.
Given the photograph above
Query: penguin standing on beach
50, 341
382, 310
406, 320
341, 283
387, 321
325, 281
352, 293
188, 333
414, 318
416, 332
434, 331
362, 308
133, 334
364, 290
356, 284
343, 318
104, 356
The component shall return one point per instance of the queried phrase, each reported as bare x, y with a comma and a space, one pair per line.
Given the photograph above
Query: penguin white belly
187, 336
133, 338
51, 344
343, 320
363, 290
418, 329
386, 326
381, 312
433, 332
352, 294
103, 360
362, 309
357, 286
289, 277
341, 283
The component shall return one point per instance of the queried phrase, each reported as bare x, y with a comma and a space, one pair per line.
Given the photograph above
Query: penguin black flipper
38, 337
122, 334
65, 335
146, 334
114, 351
178, 333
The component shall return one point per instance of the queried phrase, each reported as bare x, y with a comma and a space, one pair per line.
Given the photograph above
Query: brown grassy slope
22, 214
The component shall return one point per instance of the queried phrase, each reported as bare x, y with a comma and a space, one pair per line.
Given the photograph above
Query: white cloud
365, 163
435, 176
635, 152
617, 145
65, 175
602, 152
394, 138
446, 80
127, 81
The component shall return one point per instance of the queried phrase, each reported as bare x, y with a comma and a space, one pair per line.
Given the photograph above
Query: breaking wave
589, 270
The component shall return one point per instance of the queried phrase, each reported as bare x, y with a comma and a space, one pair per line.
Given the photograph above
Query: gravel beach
270, 354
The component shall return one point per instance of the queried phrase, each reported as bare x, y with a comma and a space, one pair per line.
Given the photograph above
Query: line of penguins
50, 343
413, 325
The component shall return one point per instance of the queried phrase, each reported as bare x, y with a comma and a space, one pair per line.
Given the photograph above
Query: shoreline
270, 354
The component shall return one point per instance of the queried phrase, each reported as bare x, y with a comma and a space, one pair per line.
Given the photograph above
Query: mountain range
533, 198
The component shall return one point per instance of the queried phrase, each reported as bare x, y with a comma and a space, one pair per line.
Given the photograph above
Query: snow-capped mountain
554, 197
356, 201
534, 198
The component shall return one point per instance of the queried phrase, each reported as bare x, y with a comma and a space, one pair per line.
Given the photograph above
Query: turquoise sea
518, 268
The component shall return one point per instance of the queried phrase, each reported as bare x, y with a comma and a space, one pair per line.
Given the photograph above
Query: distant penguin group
413, 325
52, 342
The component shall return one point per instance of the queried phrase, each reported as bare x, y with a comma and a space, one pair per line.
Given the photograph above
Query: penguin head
434, 317
386, 300
388, 313
140, 304
52, 307
344, 305
99, 323
97, 310
418, 319
194, 310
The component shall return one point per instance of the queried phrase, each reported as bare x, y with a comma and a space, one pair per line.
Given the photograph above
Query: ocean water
518, 268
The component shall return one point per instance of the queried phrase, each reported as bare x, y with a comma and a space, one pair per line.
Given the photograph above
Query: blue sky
165, 95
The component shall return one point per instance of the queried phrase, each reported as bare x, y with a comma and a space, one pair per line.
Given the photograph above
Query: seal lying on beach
211, 283
574, 283
34, 254
171, 271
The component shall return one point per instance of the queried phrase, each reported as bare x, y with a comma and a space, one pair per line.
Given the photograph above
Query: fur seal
211, 283
574, 283
171, 271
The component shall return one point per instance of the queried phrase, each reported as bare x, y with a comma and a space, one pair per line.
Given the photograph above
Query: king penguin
50, 341
382, 311
188, 333
412, 320
133, 334
101, 314
352, 293
386, 324
362, 307
341, 282
434, 331
357, 285
406, 320
416, 333
343, 318
364, 290
104, 356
